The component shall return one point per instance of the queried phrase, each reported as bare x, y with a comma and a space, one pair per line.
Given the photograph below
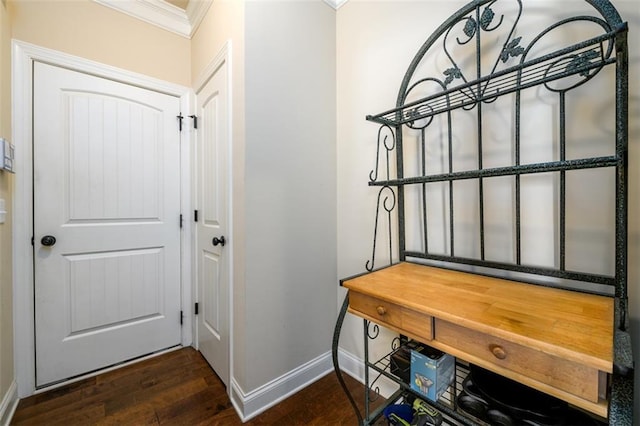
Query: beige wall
6, 191
90, 30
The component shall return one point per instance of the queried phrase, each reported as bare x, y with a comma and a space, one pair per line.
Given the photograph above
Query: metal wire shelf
446, 404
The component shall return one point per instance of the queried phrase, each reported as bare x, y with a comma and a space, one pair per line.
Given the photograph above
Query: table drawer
572, 377
414, 324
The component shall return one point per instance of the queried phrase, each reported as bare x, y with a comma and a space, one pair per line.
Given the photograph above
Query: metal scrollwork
581, 61
373, 175
471, 29
487, 18
512, 49
421, 116
374, 393
586, 63
372, 332
396, 343
451, 74
388, 204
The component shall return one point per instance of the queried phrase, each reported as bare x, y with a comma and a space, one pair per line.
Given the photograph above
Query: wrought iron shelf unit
559, 60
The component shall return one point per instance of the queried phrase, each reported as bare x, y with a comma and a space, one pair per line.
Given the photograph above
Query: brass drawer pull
498, 351
381, 310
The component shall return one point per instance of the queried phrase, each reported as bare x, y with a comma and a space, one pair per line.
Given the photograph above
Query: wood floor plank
210, 405
177, 388
139, 414
32, 407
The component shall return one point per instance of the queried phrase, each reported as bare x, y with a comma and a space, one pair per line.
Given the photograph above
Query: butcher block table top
568, 324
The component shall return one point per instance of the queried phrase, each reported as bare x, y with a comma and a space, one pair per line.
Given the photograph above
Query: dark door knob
220, 241
48, 240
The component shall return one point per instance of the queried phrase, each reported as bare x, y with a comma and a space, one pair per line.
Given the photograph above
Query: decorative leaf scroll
412, 115
582, 61
512, 49
470, 27
451, 74
486, 18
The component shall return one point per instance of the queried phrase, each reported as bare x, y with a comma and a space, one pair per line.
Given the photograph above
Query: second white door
212, 249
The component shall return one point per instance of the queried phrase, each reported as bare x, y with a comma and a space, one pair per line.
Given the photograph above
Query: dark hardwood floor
177, 388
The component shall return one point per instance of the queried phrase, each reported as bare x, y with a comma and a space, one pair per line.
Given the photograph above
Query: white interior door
212, 226
107, 188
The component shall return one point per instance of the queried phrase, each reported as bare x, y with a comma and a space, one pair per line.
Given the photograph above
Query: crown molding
196, 11
163, 14
336, 4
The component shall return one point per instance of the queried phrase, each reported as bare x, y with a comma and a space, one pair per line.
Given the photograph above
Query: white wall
290, 186
376, 41
284, 189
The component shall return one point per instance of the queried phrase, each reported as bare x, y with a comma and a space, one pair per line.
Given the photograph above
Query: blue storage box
432, 372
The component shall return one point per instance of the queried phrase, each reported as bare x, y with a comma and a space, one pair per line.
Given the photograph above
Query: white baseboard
351, 364
9, 404
250, 404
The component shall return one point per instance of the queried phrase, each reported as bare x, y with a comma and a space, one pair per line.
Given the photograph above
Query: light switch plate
6, 155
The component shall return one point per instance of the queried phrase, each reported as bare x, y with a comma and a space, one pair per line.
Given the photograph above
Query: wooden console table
557, 341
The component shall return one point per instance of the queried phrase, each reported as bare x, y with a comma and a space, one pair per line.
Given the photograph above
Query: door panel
112, 178
107, 187
97, 305
211, 295
212, 204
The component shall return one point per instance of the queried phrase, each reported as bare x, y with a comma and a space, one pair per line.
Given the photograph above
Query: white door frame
223, 57
23, 56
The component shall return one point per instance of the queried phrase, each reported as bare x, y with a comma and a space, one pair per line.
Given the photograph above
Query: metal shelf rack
523, 64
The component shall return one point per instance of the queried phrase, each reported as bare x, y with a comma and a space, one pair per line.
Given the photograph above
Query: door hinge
195, 121
181, 317
32, 241
181, 220
196, 309
195, 215
180, 117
